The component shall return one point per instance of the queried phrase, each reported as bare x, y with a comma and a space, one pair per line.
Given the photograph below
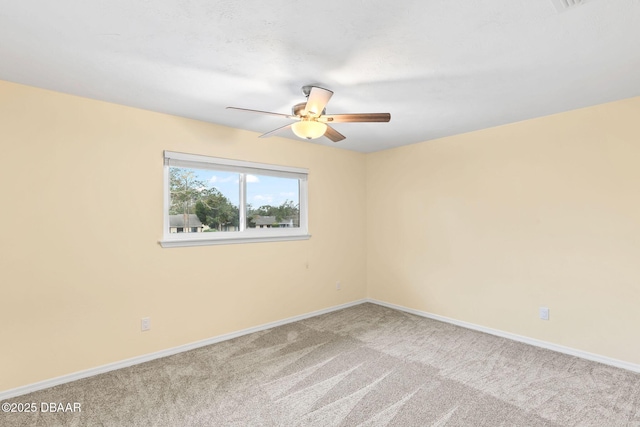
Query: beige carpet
362, 366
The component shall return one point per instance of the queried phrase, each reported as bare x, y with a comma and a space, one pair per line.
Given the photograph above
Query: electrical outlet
544, 313
338, 286
145, 324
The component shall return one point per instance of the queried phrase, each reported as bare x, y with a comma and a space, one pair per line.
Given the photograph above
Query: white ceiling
440, 67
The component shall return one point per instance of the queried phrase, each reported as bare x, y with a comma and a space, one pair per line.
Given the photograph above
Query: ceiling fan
311, 120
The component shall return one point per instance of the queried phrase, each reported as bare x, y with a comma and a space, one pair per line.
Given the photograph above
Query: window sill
177, 243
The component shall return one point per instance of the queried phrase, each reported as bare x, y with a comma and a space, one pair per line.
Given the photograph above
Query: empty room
373, 213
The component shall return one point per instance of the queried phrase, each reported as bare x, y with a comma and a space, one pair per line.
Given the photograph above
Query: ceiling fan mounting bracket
307, 90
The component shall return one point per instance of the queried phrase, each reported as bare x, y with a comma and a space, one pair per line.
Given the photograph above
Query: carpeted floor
362, 366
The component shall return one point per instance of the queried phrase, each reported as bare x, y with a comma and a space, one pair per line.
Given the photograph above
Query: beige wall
485, 227
81, 210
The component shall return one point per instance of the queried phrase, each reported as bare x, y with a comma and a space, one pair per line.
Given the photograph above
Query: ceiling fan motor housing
299, 110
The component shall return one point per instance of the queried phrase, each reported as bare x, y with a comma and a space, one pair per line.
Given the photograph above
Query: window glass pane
203, 200
272, 202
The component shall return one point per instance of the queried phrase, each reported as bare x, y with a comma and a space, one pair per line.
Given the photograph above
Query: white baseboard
30, 388
532, 341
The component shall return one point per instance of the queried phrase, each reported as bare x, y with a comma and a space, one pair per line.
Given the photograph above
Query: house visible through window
272, 202
211, 200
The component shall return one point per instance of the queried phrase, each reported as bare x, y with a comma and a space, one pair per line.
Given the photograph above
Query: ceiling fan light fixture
309, 129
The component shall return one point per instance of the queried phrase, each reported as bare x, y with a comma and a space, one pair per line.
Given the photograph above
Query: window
210, 200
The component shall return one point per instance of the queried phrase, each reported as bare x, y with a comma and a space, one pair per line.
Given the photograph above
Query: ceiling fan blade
333, 134
288, 116
318, 99
273, 132
352, 118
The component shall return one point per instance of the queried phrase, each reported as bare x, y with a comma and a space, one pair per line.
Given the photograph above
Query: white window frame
244, 235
